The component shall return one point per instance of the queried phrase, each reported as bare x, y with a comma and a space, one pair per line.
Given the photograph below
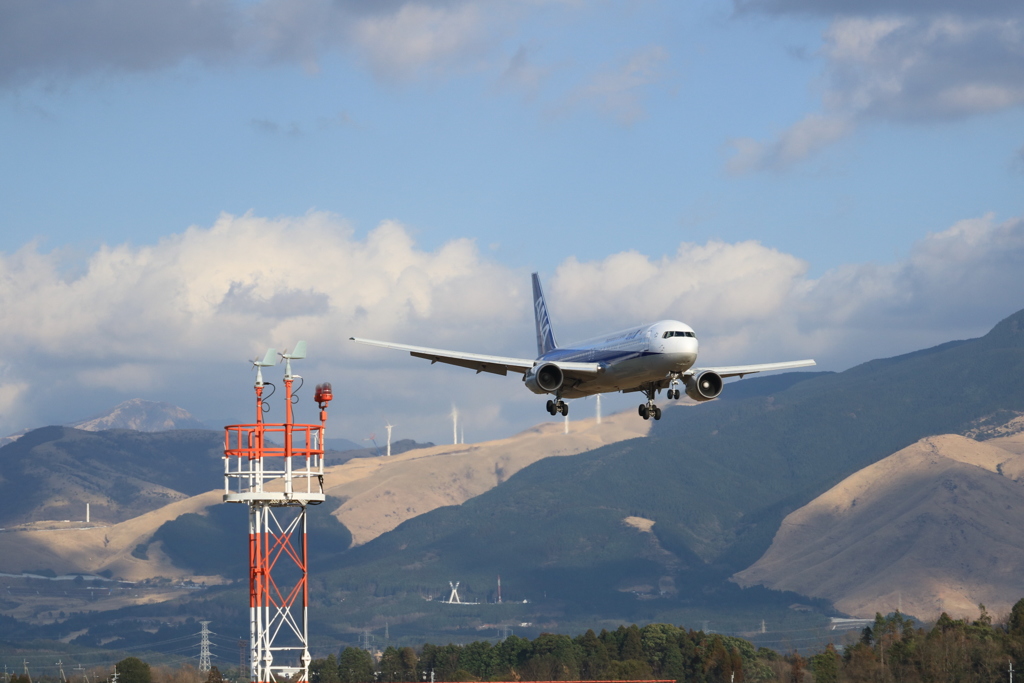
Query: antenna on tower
389, 427
268, 361
455, 424
297, 354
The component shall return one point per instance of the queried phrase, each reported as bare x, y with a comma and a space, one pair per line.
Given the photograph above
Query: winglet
545, 336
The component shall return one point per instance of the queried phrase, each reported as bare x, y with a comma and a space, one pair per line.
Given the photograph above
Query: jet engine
705, 386
545, 378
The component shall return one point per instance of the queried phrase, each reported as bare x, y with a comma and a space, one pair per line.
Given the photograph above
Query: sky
185, 183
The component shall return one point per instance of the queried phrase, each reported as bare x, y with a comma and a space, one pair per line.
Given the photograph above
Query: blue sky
183, 183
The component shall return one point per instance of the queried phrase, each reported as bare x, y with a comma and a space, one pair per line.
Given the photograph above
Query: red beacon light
323, 394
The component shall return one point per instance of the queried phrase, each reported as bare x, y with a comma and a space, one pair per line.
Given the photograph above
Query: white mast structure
599, 409
389, 427
455, 425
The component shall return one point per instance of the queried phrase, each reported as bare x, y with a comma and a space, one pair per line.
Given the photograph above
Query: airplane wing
499, 365
731, 371
740, 370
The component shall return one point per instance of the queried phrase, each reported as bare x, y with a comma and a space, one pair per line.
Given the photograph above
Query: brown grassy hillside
938, 526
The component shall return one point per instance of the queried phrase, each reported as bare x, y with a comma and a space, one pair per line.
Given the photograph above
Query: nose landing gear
558, 406
673, 393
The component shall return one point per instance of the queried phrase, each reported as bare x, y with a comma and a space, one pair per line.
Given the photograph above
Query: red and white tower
277, 470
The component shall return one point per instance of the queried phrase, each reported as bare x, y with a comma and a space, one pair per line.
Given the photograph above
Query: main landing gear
649, 410
559, 406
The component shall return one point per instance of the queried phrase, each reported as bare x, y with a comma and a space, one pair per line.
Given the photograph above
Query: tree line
892, 650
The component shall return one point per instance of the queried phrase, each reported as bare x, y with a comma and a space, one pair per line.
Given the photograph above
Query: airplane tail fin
545, 337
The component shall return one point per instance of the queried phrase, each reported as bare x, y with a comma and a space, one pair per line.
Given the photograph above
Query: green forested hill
717, 480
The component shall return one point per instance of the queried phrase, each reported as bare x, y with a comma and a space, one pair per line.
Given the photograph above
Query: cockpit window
678, 333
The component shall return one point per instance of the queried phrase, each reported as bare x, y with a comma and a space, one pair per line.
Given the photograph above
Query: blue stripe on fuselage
609, 356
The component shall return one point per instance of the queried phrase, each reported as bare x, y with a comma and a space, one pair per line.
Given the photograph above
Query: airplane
647, 358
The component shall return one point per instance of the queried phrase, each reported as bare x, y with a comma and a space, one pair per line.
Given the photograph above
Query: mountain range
746, 505
715, 482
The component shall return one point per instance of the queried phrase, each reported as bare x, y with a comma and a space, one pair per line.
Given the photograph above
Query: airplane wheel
657, 413
644, 412
640, 410
565, 409
551, 407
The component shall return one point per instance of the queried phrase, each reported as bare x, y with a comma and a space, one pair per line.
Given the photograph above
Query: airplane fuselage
630, 357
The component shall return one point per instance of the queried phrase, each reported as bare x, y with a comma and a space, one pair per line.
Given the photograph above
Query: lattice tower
277, 470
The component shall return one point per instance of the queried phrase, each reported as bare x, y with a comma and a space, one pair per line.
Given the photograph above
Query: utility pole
27, 674
1011, 671
60, 667
84, 675
113, 679
204, 648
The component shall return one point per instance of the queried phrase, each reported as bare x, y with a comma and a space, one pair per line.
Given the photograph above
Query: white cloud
924, 68
901, 61
400, 44
175, 321
618, 91
808, 136
53, 39
748, 301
